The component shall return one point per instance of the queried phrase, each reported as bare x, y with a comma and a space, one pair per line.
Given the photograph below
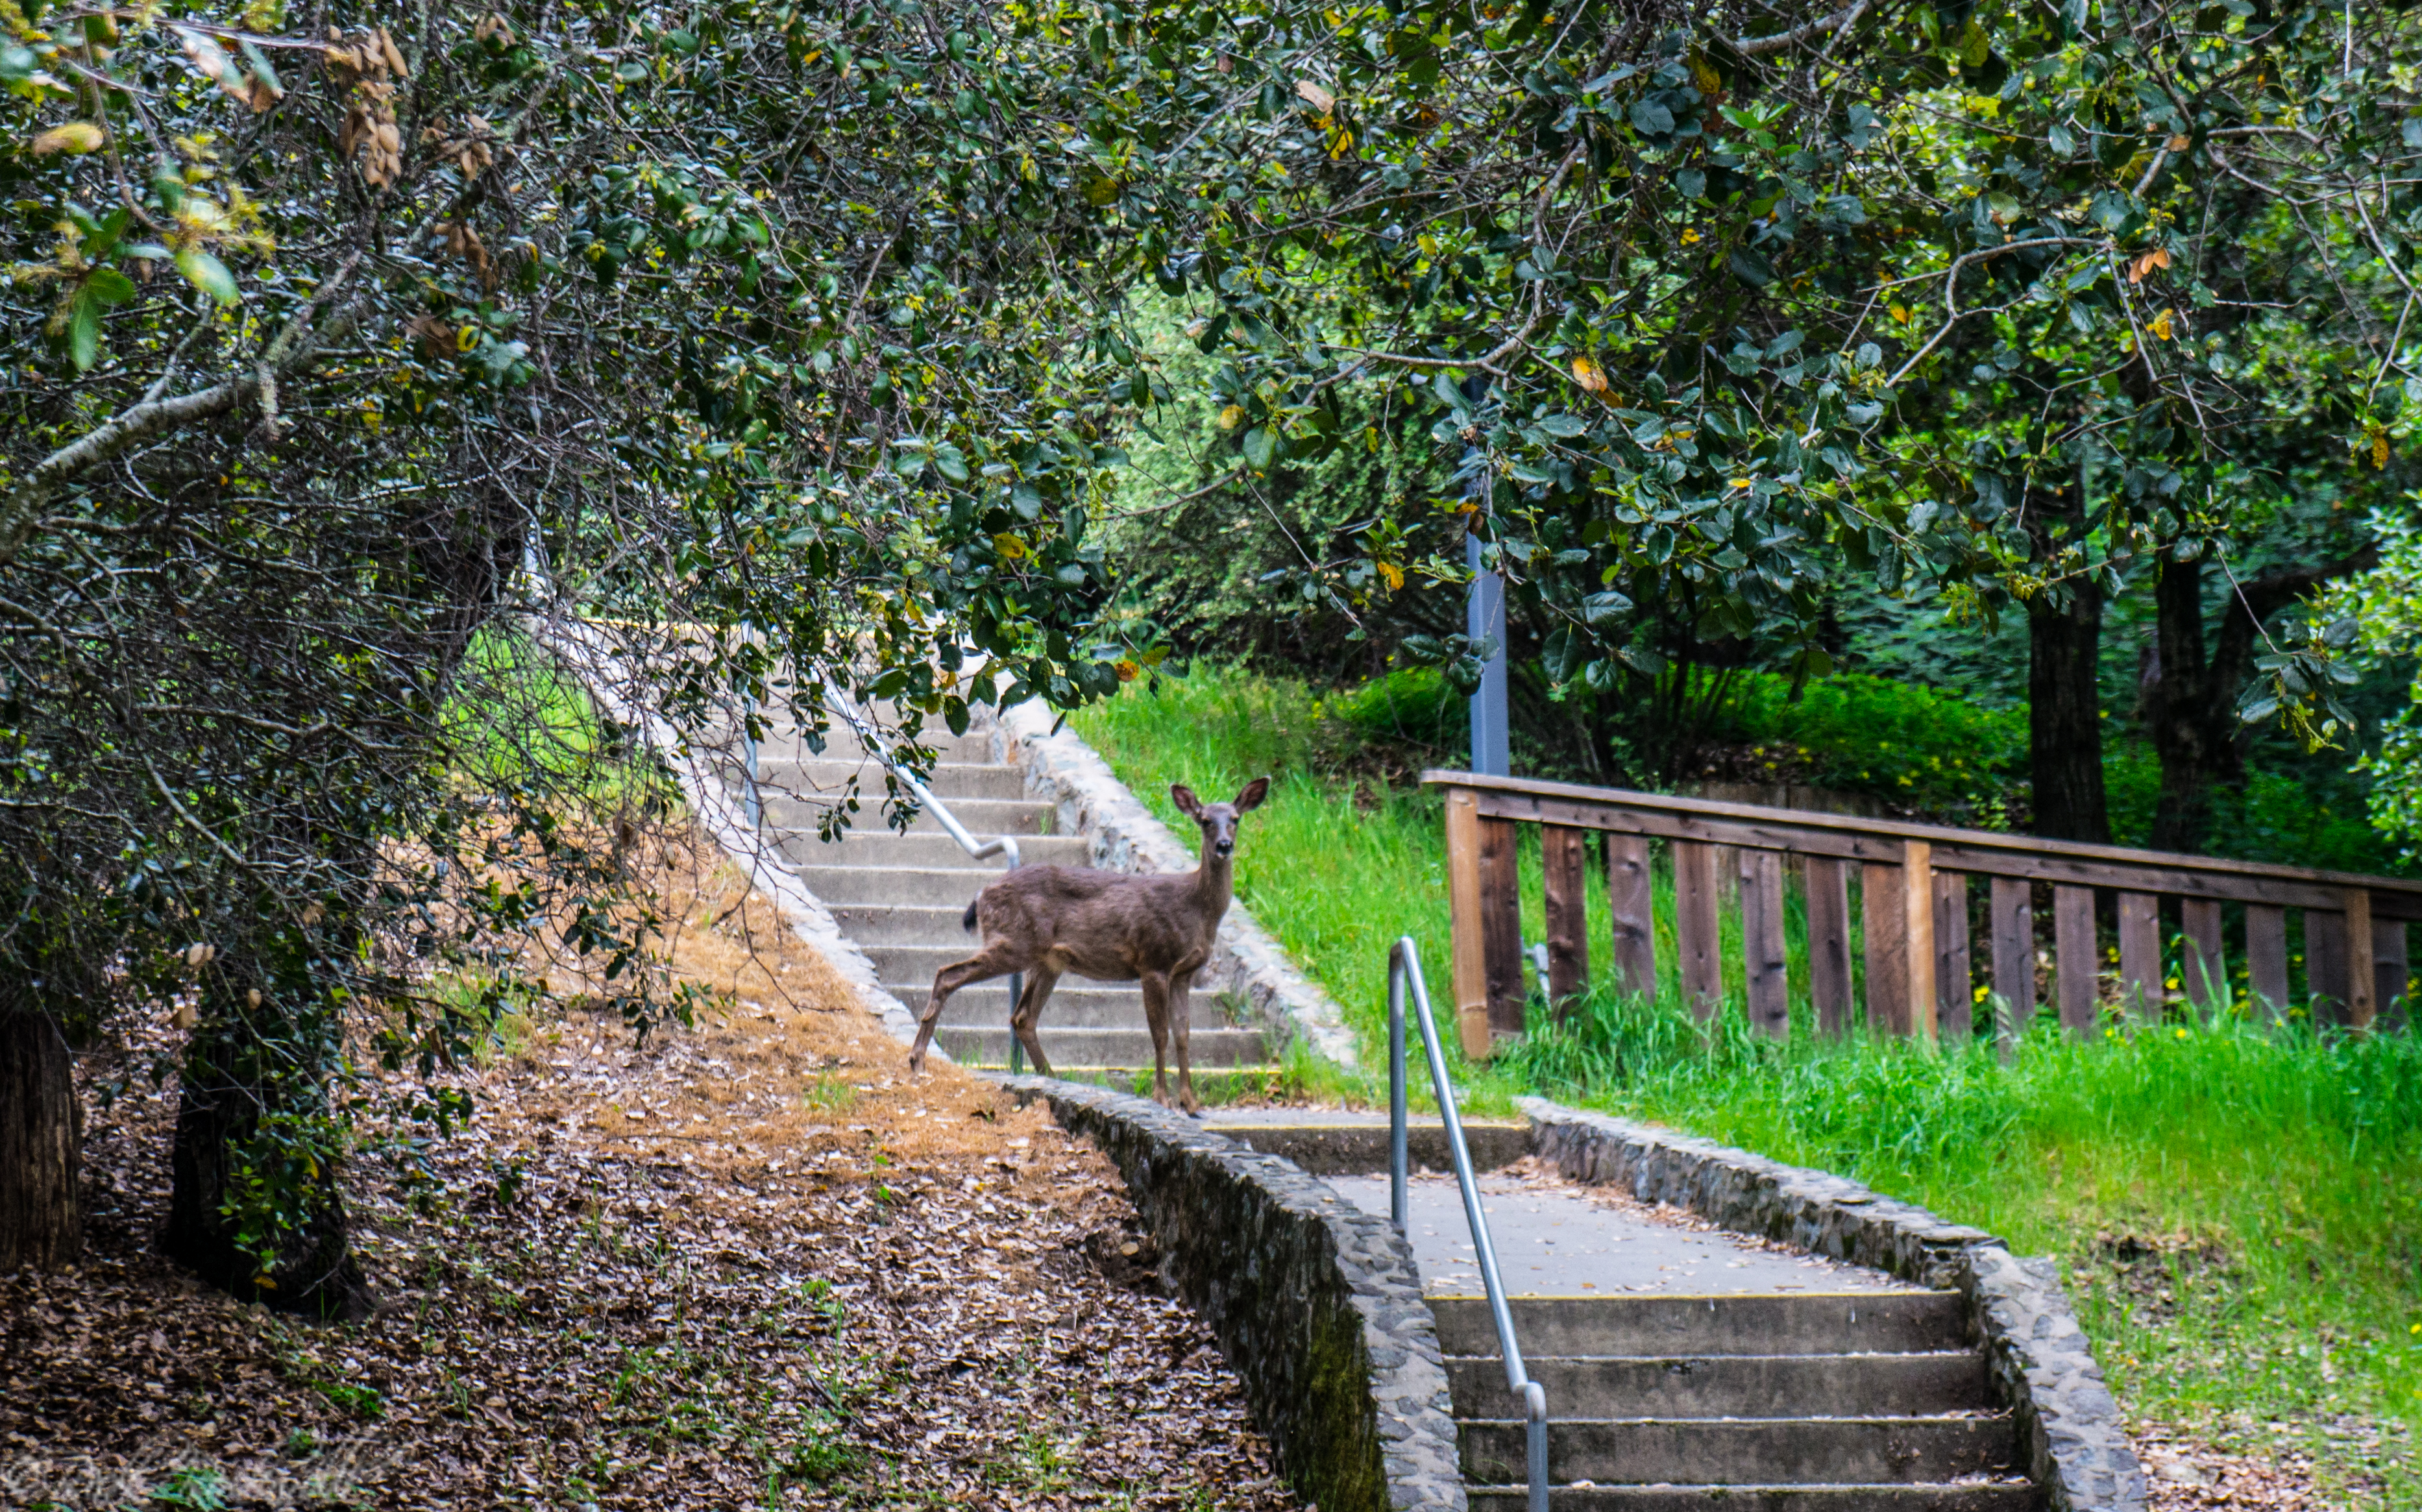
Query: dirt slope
748, 1266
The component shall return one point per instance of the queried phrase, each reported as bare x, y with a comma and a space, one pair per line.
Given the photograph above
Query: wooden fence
1915, 882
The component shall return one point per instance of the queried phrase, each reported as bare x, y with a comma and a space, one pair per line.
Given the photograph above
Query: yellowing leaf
75, 137
1393, 573
1010, 546
1318, 98
209, 275
1587, 373
1232, 417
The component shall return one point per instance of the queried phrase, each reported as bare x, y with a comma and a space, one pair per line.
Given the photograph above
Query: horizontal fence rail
1915, 913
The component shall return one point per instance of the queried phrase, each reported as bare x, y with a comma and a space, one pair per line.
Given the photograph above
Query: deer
1110, 926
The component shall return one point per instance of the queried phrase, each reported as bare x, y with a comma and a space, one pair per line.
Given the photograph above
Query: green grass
2235, 1207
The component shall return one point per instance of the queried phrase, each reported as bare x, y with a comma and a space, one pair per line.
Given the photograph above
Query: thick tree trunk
2064, 711
218, 1153
2194, 725
41, 1206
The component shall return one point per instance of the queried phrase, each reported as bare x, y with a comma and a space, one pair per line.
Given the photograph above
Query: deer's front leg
1028, 1013
1156, 1012
1181, 1013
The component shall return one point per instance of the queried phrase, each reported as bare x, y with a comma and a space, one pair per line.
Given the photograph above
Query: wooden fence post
1886, 924
1829, 942
2266, 958
1917, 901
2140, 954
1501, 925
2014, 955
1563, 854
1632, 899
2203, 964
1470, 974
1954, 989
2076, 958
2363, 998
1698, 938
1764, 965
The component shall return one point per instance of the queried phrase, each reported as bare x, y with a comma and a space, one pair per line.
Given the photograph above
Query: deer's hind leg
1040, 980
998, 958
1155, 1014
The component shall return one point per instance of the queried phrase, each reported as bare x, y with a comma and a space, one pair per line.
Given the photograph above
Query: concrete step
875, 923
1737, 1386
986, 1005
1750, 1452
918, 963
952, 782
983, 817
971, 1045
1971, 1496
922, 886
1746, 1323
973, 748
930, 848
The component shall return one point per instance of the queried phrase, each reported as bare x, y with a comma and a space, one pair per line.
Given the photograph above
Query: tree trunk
223, 1144
2064, 711
2191, 710
41, 1206
2192, 722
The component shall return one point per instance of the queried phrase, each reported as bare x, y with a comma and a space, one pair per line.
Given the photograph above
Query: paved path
1553, 1240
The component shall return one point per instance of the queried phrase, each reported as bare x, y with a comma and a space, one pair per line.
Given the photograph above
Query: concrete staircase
898, 897
1841, 1402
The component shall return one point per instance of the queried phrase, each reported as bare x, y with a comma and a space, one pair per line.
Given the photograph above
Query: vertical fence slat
1463, 913
1563, 854
1764, 966
2140, 954
2363, 1003
1886, 925
2390, 971
2014, 953
2266, 957
2075, 958
1501, 925
2203, 964
1829, 942
1632, 901
1917, 935
1954, 993
1698, 940
2325, 966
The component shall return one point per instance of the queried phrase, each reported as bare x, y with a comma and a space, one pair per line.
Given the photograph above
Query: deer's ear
1187, 804
1255, 791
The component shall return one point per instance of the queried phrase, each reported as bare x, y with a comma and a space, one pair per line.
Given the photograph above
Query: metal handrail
978, 850
1405, 967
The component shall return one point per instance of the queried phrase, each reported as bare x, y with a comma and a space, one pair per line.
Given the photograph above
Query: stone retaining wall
1316, 1303
1122, 836
2077, 1450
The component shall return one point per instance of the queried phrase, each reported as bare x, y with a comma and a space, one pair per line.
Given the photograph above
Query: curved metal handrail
979, 850
1405, 969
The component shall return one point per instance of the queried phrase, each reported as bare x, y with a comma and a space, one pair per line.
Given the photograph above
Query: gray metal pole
1491, 753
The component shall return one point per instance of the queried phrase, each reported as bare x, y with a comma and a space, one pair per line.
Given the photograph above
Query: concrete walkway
1552, 1240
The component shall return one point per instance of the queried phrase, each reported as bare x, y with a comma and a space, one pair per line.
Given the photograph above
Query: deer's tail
968, 919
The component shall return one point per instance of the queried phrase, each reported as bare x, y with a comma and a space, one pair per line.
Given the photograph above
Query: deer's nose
1224, 846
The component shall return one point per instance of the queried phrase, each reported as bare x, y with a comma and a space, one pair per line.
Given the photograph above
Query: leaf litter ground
750, 1265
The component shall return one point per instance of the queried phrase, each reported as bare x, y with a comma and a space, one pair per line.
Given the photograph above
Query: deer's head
1218, 820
